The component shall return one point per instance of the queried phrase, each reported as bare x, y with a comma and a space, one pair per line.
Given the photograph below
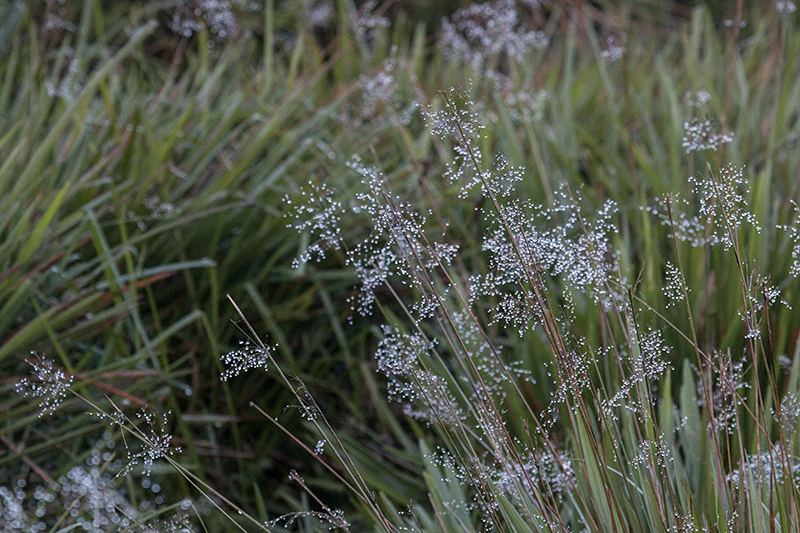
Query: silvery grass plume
460, 383
722, 208
481, 33
50, 385
604, 433
699, 136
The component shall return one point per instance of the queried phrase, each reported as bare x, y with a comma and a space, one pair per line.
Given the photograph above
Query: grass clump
573, 276
602, 445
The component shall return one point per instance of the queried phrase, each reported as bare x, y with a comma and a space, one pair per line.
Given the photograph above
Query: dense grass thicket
312, 265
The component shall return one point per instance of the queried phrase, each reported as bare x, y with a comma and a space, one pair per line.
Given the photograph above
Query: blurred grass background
143, 176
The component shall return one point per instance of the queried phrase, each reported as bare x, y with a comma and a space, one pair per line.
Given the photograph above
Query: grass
146, 176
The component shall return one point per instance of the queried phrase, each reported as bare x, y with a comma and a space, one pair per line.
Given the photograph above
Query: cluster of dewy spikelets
675, 289
458, 120
69, 85
647, 363
794, 235
789, 414
247, 357
570, 373
536, 470
494, 374
699, 133
317, 13
319, 214
480, 32
50, 385
498, 181
548, 472
529, 241
155, 441
697, 98
458, 116
761, 295
374, 260
725, 385
653, 359
402, 358
397, 244
724, 200
191, 16
698, 136
722, 206
576, 249
653, 454
368, 19
382, 97
378, 89
684, 523
613, 51
524, 107
764, 469
406, 360
334, 519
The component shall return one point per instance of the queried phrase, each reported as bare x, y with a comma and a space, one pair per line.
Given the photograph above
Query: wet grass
144, 177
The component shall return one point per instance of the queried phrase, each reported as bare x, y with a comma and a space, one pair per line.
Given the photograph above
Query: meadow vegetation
312, 265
